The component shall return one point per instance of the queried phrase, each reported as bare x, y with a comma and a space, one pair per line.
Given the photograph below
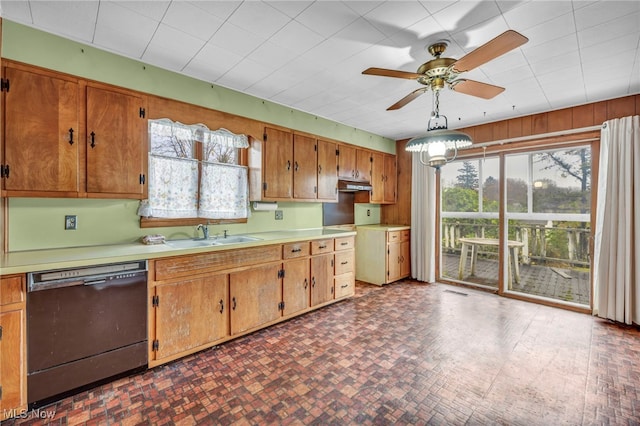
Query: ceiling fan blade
476, 88
391, 73
500, 45
411, 96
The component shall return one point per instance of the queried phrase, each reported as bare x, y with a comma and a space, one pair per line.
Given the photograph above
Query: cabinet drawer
293, 250
345, 285
405, 235
12, 289
344, 262
322, 246
345, 243
394, 236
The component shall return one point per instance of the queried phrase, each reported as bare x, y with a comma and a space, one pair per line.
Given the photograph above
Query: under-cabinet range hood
353, 186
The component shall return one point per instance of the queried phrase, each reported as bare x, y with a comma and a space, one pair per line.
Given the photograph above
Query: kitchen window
194, 173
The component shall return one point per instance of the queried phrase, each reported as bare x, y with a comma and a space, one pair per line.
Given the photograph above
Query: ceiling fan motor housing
436, 72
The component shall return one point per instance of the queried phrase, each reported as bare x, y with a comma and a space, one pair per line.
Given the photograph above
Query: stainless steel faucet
205, 230
225, 233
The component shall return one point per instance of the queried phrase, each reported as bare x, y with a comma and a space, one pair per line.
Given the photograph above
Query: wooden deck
569, 285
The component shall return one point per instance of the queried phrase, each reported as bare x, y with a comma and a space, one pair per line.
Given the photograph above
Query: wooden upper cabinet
377, 178
364, 165
305, 164
277, 164
347, 162
115, 143
327, 171
41, 131
390, 179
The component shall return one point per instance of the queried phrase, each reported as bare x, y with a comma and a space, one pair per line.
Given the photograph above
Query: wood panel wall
577, 117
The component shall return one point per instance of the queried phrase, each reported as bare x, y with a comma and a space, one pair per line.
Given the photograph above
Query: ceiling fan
440, 72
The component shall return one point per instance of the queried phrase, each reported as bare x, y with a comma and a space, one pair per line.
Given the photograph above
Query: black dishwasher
84, 325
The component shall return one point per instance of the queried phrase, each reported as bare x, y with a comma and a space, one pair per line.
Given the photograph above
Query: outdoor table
474, 243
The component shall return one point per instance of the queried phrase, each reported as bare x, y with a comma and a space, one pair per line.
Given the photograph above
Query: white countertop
42, 260
383, 227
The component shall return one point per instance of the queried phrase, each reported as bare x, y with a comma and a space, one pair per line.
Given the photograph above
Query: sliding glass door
546, 199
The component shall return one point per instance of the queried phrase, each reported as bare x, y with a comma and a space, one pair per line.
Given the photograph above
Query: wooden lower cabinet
13, 367
321, 279
201, 300
256, 295
382, 253
190, 314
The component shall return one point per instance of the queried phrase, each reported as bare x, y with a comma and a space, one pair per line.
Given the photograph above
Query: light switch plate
71, 222
279, 215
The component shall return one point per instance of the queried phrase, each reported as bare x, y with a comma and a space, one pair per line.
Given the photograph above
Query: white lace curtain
617, 231
174, 172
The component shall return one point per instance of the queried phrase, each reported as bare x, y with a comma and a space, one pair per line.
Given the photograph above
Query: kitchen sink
199, 242
234, 240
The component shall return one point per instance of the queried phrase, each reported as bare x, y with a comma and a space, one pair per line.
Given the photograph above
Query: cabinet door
116, 143
321, 279
305, 164
363, 165
12, 362
295, 286
405, 257
389, 179
347, 162
255, 296
393, 262
41, 132
191, 313
327, 171
377, 178
278, 164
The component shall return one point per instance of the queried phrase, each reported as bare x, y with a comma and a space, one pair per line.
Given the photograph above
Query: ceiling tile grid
309, 55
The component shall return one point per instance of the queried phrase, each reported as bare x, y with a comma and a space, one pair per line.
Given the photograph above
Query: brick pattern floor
407, 353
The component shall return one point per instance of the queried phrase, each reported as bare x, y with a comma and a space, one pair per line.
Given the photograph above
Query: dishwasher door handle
95, 282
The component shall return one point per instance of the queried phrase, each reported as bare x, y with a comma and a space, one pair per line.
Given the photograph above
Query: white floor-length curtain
617, 232
423, 221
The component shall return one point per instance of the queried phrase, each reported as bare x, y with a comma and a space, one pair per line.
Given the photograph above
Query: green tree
459, 199
467, 176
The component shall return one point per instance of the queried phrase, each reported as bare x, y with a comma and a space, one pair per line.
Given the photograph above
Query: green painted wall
37, 223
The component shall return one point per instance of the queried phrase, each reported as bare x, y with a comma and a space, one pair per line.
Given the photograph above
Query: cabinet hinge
4, 171
315, 148
337, 152
387, 251
264, 137
4, 85
281, 306
0, 332
142, 178
0, 391
143, 113
155, 301
264, 186
371, 159
155, 346
281, 273
315, 189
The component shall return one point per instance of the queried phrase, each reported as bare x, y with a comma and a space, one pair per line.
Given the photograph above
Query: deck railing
543, 244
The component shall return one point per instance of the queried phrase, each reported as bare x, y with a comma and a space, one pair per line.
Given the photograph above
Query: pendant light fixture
433, 147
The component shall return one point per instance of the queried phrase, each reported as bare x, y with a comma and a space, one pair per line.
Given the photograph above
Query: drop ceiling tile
435, 6
221, 9
122, 30
172, 49
604, 11
244, 71
549, 30
239, 40
191, 20
533, 13
392, 17
553, 48
19, 11
151, 9
358, 35
211, 62
327, 17
291, 8
466, 14
272, 55
363, 7
259, 18
296, 37
474, 37
628, 25
76, 20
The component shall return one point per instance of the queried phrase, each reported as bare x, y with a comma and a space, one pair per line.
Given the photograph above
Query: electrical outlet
71, 222
368, 212
279, 215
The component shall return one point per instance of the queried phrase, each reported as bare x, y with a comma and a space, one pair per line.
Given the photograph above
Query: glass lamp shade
436, 143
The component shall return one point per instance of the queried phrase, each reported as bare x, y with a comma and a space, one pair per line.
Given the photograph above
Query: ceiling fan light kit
439, 73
